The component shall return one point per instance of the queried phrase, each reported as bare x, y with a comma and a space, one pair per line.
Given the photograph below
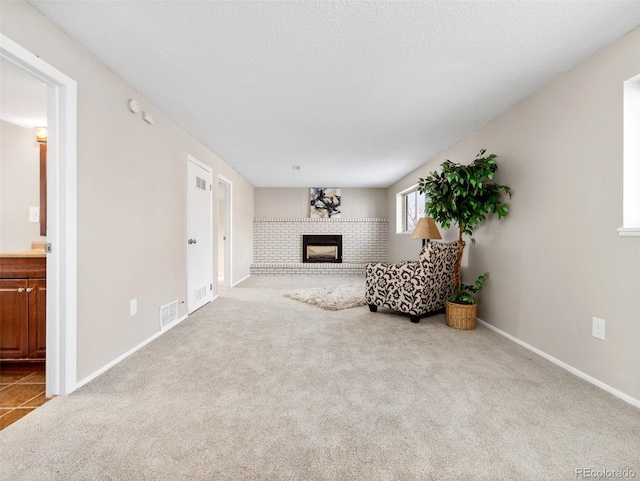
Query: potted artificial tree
464, 194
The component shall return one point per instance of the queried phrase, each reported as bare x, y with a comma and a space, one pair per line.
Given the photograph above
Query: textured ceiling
356, 93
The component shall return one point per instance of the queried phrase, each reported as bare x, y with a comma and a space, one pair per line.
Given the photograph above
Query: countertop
32, 253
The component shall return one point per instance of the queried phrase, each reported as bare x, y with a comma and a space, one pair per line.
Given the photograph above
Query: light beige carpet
257, 386
331, 298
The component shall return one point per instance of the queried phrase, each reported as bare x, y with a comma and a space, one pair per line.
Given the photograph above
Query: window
409, 208
631, 153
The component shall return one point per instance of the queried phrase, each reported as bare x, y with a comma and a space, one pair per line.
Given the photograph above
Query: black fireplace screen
322, 248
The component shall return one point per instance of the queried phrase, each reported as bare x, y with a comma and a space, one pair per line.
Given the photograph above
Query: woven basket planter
461, 316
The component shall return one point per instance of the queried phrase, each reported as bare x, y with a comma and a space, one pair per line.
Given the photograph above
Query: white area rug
332, 298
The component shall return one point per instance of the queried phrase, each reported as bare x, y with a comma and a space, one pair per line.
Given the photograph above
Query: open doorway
57, 295
23, 284
224, 232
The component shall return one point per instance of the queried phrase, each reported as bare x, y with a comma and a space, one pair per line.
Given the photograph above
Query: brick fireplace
278, 245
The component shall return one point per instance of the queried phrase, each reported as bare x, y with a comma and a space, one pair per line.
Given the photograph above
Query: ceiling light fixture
297, 167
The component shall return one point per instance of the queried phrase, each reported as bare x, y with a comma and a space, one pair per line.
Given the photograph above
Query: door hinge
210, 287
47, 248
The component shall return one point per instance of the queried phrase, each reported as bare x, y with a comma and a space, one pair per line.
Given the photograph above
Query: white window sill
404, 233
629, 231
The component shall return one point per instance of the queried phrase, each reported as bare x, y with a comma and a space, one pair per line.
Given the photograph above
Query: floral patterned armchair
413, 287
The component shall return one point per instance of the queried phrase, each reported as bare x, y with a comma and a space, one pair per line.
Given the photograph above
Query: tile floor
20, 393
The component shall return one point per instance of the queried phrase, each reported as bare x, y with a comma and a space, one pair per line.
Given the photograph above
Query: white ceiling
23, 98
356, 93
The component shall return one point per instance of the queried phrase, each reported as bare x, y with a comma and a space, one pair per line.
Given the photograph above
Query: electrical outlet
34, 214
133, 307
598, 327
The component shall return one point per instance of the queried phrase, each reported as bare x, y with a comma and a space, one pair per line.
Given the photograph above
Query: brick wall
278, 241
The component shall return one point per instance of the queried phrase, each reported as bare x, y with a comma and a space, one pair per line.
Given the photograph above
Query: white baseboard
243, 279
103, 369
619, 394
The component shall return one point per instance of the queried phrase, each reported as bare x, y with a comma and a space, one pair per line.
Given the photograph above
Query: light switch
34, 214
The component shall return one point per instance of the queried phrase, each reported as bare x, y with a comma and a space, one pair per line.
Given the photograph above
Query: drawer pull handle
20, 289
29, 289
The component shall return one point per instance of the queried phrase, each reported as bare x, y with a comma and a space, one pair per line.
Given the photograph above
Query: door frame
195, 161
228, 223
62, 272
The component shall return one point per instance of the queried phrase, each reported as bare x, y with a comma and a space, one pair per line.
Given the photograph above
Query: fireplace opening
322, 248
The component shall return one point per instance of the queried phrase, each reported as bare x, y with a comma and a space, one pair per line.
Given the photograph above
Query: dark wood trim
43, 189
22, 365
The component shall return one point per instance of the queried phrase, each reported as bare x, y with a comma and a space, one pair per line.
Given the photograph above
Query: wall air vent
201, 184
168, 314
200, 293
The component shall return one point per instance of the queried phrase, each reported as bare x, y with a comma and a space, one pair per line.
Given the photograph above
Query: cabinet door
14, 313
37, 318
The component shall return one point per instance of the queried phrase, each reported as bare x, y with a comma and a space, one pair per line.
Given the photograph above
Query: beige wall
556, 261
131, 199
19, 187
294, 202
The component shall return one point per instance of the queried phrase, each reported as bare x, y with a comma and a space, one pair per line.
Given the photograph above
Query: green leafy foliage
466, 195
465, 294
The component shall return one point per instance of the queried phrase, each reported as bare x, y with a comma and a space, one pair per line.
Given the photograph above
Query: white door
199, 235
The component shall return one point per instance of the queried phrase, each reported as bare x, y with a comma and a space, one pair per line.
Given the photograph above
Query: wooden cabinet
23, 291
37, 318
